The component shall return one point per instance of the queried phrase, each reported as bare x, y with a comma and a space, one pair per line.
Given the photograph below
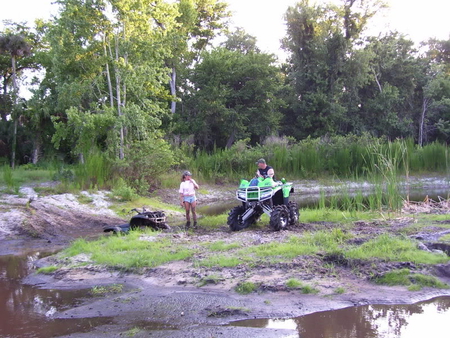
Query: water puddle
27, 311
424, 319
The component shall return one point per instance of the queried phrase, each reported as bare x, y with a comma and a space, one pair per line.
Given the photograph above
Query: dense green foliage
132, 89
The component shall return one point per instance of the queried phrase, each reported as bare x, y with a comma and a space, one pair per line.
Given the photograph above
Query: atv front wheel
235, 218
279, 218
294, 214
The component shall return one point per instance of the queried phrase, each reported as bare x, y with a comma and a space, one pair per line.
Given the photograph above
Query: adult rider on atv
264, 170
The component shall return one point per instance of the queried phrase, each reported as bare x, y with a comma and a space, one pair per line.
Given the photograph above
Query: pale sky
419, 20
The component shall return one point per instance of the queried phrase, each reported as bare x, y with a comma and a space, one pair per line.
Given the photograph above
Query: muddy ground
172, 300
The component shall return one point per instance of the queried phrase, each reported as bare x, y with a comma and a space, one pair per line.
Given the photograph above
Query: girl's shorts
189, 199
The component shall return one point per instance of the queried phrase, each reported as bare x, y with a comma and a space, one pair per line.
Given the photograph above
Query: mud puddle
27, 311
429, 318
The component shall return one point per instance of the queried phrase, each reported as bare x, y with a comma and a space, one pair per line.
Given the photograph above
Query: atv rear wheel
279, 218
235, 218
294, 214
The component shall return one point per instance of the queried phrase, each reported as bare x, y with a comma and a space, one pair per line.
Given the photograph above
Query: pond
424, 319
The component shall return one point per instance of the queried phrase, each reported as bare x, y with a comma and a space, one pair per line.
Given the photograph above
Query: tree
233, 96
107, 61
15, 46
199, 21
320, 41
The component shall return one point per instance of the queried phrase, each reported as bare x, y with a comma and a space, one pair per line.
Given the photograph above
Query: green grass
414, 281
395, 249
445, 238
211, 279
222, 246
130, 251
308, 289
24, 175
335, 215
293, 283
309, 243
213, 222
222, 261
245, 288
84, 199
106, 290
151, 203
46, 270
133, 331
339, 290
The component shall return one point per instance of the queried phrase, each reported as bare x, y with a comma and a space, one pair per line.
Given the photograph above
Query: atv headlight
242, 195
266, 194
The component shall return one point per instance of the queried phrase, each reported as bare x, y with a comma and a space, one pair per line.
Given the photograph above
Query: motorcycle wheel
279, 218
294, 214
235, 218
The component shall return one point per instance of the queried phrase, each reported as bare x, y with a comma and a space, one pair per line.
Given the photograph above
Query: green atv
264, 195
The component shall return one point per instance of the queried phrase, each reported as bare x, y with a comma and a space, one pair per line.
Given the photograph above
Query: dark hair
186, 173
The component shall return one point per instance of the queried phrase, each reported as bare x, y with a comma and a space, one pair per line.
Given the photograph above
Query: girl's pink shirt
187, 188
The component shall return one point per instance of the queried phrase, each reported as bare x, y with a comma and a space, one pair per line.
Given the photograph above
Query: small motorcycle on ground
155, 219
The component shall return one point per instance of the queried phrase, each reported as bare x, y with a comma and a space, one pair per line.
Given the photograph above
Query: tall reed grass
340, 156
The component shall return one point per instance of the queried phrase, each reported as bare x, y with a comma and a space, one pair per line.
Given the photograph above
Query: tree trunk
231, 139
119, 101
5, 98
14, 117
173, 89
425, 105
108, 75
36, 148
378, 82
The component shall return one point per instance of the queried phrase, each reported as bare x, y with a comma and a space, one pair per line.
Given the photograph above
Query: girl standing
187, 196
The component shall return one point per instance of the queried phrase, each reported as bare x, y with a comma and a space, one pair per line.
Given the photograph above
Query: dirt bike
144, 218
264, 195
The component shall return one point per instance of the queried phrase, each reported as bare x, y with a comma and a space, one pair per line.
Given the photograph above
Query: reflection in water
425, 319
26, 311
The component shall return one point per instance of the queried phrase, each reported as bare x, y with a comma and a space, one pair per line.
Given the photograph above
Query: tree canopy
121, 76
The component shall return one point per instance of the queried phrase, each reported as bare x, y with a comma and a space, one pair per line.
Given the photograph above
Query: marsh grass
130, 251
24, 175
340, 156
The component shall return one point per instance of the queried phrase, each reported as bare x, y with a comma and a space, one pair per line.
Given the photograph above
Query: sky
419, 20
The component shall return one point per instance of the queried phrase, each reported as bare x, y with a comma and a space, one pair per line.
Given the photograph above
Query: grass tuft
47, 270
245, 288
